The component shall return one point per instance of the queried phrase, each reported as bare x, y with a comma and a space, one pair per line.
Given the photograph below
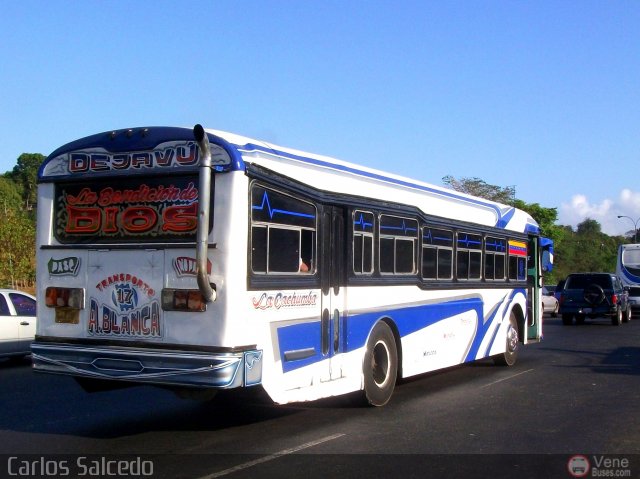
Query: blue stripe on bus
628, 275
404, 228
481, 333
273, 211
410, 319
364, 225
489, 322
299, 337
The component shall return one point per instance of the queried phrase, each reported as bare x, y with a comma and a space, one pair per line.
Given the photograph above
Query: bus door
534, 284
333, 322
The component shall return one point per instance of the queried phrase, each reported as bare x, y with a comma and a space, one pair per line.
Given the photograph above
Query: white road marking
271, 457
506, 379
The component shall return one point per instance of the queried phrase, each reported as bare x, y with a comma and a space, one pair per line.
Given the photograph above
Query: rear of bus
628, 270
120, 216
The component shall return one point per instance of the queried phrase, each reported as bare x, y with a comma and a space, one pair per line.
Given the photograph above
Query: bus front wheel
380, 365
509, 357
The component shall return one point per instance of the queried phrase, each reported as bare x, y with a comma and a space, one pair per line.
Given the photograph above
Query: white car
17, 322
549, 302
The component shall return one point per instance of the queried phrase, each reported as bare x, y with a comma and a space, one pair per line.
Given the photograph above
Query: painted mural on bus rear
200, 260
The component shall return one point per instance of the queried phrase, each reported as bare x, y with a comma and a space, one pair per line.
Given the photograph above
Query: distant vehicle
593, 295
549, 302
17, 322
628, 270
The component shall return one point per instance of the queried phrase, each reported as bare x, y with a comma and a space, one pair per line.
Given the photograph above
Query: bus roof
154, 150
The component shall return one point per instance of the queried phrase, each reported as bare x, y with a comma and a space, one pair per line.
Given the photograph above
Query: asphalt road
575, 393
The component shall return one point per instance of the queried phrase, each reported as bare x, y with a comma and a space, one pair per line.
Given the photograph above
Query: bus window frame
283, 279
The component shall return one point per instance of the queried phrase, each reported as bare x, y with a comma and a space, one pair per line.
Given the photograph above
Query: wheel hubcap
512, 339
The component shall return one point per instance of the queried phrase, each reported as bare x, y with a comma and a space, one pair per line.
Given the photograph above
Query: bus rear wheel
380, 365
510, 355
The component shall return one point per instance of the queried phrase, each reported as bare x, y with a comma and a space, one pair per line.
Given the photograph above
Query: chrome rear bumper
151, 366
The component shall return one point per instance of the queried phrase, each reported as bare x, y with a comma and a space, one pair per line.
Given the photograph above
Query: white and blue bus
201, 260
628, 270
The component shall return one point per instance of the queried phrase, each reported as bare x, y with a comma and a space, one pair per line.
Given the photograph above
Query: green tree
586, 249
25, 175
589, 228
478, 187
18, 196
10, 196
17, 248
546, 219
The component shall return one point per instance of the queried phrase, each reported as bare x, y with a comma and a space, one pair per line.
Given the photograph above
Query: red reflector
51, 297
57, 297
180, 299
614, 299
196, 301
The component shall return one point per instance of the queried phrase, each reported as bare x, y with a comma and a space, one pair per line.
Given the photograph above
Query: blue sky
543, 95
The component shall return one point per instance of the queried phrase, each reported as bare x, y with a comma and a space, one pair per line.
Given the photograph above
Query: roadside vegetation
18, 195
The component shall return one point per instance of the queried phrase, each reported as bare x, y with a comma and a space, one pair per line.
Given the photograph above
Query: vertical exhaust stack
204, 202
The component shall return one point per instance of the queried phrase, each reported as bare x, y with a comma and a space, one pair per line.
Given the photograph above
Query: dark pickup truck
593, 295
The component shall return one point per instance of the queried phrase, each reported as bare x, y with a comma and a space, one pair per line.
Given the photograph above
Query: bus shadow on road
68, 410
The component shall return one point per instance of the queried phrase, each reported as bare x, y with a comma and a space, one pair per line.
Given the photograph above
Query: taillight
72, 298
183, 300
561, 298
614, 299
66, 302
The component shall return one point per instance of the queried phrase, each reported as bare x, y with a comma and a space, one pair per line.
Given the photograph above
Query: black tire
380, 365
616, 319
594, 294
510, 356
627, 316
567, 319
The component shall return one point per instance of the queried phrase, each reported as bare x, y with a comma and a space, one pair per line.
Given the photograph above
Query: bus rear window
122, 210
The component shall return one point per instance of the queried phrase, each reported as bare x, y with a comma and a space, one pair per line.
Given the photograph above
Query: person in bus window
304, 266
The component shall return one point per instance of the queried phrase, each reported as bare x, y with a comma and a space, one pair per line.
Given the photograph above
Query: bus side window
306, 260
495, 258
437, 253
284, 250
468, 256
362, 242
283, 233
398, 240
517, 260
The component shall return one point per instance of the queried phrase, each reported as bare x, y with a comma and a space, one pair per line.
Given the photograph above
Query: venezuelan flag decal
517, 248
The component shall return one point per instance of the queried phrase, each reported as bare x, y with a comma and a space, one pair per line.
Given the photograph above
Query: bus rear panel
117, 290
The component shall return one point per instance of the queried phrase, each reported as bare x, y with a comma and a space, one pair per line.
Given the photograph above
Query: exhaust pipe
204, 201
